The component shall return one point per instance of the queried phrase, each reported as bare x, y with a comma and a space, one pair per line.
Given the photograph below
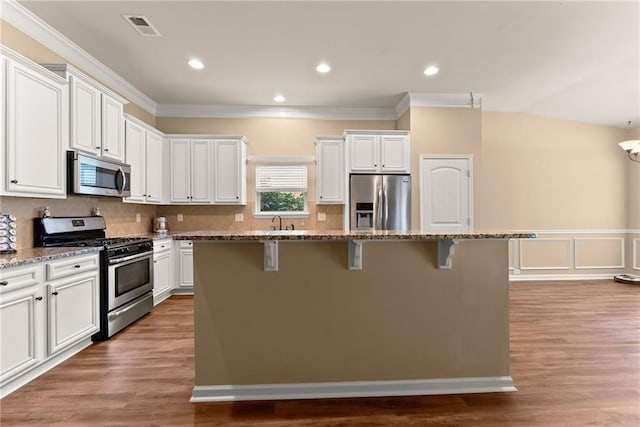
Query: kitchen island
305, 314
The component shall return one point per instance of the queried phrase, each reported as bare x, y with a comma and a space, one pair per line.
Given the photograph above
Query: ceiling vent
142, 25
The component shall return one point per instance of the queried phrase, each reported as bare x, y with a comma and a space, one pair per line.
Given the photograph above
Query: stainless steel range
126, 273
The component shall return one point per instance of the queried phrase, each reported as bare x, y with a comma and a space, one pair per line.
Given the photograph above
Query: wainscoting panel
599, 252
574, 254
545, 254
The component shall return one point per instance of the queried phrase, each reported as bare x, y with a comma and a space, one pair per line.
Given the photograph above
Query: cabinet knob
14, 181
76, 266
321, 197
4, 283
147, 195
237, 197
54, 293
38, 298
375, 165
106, 149
98, 147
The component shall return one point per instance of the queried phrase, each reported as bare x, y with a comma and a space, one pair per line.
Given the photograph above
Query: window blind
286, 178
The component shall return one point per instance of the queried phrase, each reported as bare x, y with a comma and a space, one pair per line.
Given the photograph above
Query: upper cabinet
330, 171
229, 164
207, 169
190, 166
34, 113
378, 151
144, 152
97, 121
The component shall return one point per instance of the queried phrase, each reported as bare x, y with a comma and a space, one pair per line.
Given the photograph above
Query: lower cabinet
184, 263
48, 312
22, 320
162, 268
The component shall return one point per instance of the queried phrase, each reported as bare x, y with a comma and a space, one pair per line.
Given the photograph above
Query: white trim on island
229, 393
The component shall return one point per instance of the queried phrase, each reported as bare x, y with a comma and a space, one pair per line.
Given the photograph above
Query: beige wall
542, 173
634, 186
315, 320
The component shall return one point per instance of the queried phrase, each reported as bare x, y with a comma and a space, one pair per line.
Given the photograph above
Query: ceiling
571, 60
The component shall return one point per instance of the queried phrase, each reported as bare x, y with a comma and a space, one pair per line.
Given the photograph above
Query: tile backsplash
121, 217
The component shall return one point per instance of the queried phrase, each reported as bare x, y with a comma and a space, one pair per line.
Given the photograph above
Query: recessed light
279, 98
431, 70
323, 68
196, 64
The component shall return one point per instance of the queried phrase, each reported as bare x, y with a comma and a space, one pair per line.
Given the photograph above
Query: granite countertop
339, 235
35, 255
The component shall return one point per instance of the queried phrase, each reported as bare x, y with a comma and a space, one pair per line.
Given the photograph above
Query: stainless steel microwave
97, 176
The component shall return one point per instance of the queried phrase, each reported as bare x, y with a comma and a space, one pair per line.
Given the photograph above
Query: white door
394, 153
180, 171
365, 153
154, 168
112, 129
135, 146
226, 171
200, 170
330, 180
446, 193
85, 116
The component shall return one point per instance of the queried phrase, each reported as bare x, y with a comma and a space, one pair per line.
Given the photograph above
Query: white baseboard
182, 291
543, 277
227, 393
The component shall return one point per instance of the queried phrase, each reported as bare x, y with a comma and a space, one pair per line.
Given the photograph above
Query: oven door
128, 278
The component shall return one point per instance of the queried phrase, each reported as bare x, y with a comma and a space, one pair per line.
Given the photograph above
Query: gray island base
400, 325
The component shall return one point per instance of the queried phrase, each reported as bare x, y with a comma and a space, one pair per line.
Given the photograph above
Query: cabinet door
185, 267
394, 152
330, 181
154, 168
162, 272
21, 331
200, 170
37, 132
228, 177
365, 153
180, 171
112, 129
135, 156
73, 310
85, 116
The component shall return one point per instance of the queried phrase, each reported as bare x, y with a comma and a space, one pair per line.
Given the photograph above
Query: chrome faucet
279, 220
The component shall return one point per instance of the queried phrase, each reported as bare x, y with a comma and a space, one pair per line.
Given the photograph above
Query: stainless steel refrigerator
380, 202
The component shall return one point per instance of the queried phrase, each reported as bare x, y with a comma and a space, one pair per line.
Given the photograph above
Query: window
281, 190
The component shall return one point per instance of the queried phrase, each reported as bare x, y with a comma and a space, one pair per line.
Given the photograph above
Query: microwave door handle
124, 180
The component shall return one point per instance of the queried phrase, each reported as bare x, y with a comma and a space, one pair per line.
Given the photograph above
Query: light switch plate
239, 217
322, 216
180, 218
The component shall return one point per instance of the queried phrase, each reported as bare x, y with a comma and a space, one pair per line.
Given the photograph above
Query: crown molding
421, 99
20, 17
239, 111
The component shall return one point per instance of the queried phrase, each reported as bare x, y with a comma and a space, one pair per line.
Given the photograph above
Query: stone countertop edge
36, 255
337, 235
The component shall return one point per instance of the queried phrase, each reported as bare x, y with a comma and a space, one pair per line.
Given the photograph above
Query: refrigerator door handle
379, 214
385, 223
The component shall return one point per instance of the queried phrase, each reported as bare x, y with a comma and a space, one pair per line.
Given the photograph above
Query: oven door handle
130, 258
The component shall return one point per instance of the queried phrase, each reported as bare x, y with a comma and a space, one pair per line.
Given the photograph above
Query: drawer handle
4, 283
14, 181
54, 293
106, 149
38, 298
76, 266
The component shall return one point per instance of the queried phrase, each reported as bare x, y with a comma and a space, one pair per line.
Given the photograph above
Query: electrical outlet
180, 218
239, 217
322, 216
138, 217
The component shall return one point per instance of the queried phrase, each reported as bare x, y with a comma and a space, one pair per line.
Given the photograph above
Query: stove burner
107, 242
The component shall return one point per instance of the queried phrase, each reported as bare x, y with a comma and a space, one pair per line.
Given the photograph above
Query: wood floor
575, 353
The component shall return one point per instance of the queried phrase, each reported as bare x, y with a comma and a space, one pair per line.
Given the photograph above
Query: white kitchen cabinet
330, 171
378, 152
144, 153
229, 158
22, 320
35, 122
184, 266
190, 170
73, 300
96, 112
162, 269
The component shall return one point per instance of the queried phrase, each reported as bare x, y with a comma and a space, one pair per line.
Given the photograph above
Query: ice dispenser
364, 216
